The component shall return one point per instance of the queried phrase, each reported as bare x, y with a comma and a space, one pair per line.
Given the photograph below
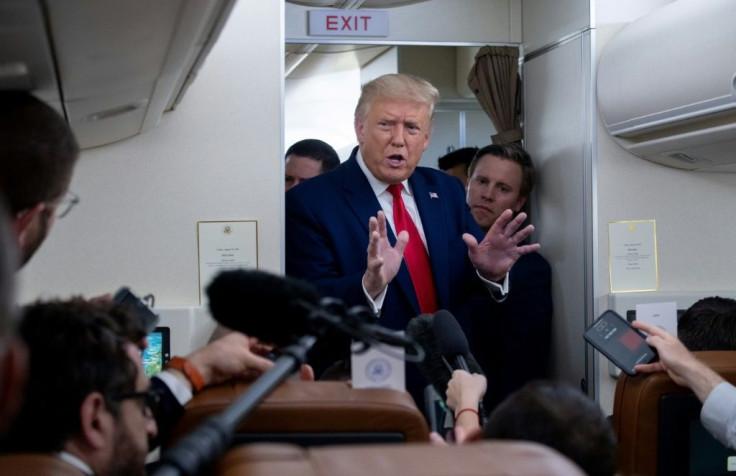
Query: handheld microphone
435, 367
451, 341
453, 346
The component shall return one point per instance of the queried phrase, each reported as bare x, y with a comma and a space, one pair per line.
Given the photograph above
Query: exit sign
348, 23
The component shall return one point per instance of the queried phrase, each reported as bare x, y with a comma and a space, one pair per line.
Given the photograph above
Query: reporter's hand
465, 390
230, 357
675, 359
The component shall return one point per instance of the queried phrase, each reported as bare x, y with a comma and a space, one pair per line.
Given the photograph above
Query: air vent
687, 158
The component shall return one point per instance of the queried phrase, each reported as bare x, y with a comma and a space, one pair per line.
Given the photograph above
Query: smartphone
157, 354
617, 339
138, 307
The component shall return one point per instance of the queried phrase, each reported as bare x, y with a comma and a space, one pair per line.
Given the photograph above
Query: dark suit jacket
327, 238
511, 340
169, 412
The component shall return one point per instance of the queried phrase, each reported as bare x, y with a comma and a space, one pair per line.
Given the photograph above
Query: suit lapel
359, 194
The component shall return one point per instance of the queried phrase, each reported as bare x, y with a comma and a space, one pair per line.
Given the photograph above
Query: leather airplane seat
636, 412
313, 413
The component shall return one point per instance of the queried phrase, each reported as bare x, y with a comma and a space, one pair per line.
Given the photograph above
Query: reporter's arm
464, 393
719, 413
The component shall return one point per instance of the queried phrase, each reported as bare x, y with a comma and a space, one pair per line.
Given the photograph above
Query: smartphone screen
156, 355
623, 345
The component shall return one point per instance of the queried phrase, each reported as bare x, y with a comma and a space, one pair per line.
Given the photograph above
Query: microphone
234, 296
453, 345
451, 340
435, 366
296, 309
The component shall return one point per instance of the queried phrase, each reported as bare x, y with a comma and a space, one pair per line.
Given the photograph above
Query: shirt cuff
179, 389
375, 304
717, 413
499, 292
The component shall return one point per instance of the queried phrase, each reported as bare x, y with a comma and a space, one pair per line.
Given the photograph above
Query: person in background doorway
456, 163
513, 346
306, 159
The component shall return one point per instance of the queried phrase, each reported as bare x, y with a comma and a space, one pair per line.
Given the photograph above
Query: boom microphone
234, 295
296, 309
434, 367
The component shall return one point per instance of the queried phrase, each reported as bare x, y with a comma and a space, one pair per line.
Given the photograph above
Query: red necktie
417, 259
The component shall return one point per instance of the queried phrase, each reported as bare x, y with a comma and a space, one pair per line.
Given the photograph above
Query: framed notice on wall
632, 256
225, 245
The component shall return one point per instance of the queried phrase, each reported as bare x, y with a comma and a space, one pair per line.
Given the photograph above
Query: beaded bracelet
457, 415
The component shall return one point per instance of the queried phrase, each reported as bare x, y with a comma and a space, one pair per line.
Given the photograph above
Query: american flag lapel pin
433, 195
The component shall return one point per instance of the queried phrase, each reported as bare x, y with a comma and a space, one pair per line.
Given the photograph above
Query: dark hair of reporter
38, 151
709, 324
561, 417
76, 347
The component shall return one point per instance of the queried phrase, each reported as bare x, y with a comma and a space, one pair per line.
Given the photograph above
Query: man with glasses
88, 403
38, 153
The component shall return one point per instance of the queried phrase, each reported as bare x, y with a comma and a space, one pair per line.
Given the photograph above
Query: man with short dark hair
514, 335
88, 401
38, 153
308, 158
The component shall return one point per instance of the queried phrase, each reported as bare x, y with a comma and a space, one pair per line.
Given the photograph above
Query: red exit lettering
347, 23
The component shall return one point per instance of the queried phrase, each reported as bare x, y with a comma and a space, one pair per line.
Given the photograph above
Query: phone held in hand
140, 310
619, 341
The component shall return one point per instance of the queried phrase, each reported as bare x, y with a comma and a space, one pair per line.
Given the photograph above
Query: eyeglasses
65, 204
150, 401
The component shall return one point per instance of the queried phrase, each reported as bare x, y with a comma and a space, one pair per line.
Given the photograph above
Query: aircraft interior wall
219, 156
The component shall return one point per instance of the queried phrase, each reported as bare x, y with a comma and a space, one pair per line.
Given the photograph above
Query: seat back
416, 459
636, 412
313, 413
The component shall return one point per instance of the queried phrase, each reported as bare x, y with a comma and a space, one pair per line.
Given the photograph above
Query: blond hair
405, 87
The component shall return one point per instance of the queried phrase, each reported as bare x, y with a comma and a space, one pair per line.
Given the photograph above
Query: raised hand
496, 254
384, 260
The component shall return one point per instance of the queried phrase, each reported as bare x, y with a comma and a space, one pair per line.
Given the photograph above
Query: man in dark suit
514, 334
340, 230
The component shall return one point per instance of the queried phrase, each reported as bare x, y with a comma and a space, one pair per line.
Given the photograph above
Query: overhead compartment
666, 85
111, 67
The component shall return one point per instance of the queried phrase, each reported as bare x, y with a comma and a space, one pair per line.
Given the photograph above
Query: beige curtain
494, 79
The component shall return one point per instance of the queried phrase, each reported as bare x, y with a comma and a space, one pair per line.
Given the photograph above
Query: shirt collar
76, 462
